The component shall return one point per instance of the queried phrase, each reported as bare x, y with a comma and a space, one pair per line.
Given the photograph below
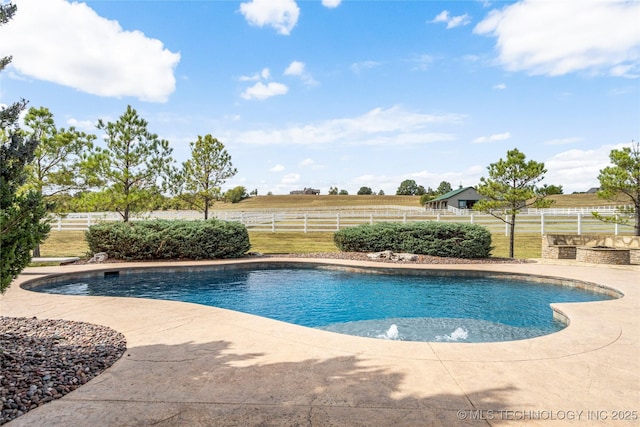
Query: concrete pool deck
189, 365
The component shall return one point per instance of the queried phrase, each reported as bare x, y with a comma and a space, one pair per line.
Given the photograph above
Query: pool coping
593, 364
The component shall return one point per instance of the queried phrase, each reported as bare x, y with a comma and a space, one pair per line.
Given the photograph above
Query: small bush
163, 239
444, 239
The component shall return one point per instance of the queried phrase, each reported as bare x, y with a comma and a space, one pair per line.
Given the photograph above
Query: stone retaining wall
613, 256
563, 246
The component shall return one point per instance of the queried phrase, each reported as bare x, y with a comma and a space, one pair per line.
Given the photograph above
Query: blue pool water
391, 306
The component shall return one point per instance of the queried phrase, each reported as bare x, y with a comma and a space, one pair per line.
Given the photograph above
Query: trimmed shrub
444, 239
163, 239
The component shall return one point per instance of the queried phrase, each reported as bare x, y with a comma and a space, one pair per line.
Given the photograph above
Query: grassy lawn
293, 243
72, 243
63, 244
298, 201
527, 245
585, 200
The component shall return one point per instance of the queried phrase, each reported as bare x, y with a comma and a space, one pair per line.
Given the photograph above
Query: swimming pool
423, 306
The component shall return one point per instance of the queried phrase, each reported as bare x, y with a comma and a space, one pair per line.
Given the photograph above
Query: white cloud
386, 127
279, 14
500, 86
331, 3
83, 125
297, 68
15, 76
277, 168
451, 21
261, 91
578, 170
563, 141
358, 67
71, 45
441, 17
264, 74
310, 163
290, 178
626, 70
492, 138
561, 37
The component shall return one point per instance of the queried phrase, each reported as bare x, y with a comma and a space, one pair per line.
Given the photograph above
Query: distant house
313, 191
462, 198
593, 190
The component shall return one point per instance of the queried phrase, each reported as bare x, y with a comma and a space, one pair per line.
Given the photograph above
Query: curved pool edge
578, 316
194, 363
323, 264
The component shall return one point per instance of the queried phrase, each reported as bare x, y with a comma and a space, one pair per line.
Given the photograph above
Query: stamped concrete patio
191, 365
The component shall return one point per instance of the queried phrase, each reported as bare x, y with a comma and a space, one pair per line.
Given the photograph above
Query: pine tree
511, 187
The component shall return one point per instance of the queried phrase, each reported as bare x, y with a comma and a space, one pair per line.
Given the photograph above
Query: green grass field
527, 245
301, 201
72, 243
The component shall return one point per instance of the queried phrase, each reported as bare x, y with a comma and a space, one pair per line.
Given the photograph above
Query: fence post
542, 223
338, 221
506, 228
438, 217
273, 222
617, 226
404, 218
59, 223
305, 223
579, 223
370, 219
471, 219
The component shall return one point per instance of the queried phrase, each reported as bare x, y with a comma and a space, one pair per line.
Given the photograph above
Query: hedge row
444, 239
163, 239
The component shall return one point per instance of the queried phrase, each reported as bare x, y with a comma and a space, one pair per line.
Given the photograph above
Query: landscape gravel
421, 259
43, 359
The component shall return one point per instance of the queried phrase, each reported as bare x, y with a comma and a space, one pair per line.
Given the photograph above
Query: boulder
99, 257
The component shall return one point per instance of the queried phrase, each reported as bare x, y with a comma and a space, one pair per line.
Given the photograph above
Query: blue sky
344, 93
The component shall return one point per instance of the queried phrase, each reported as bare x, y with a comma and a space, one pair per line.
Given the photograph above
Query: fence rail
307, 221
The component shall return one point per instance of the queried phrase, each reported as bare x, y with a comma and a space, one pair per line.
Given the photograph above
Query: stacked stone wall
563, 246
603, 256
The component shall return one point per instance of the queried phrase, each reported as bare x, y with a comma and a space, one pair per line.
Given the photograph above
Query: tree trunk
206, 209
36, 251
512, 235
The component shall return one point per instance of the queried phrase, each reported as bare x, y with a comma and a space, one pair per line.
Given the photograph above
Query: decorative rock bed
603, 255
44, 359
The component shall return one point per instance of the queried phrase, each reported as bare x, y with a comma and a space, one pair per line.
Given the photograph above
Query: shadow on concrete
212, 384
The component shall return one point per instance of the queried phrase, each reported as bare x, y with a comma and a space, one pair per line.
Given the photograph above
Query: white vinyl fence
539, 221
